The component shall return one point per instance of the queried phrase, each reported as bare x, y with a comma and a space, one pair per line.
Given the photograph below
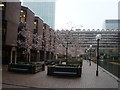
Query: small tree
24, 41
37, 44
70, 42
27, 40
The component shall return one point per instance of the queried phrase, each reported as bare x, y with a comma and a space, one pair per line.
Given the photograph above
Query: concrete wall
47, 37
40, 29
12, 16
29, 20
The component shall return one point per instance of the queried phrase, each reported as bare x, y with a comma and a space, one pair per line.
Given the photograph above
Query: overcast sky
86, 14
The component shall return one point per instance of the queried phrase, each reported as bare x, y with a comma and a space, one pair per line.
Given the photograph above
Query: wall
12, 16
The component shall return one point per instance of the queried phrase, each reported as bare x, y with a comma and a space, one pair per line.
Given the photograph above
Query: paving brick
41, 80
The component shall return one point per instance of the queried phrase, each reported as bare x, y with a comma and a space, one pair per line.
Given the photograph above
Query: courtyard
88, 79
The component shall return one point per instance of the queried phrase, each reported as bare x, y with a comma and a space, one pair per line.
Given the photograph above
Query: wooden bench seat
64, 70
65, 73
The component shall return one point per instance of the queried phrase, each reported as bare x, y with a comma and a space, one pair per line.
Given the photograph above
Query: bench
75, 62
29, 68
64, 71
20, 67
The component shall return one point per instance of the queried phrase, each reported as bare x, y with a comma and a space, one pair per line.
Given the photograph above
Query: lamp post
90, 53
86, 51
67, 37
98, 37
67, 51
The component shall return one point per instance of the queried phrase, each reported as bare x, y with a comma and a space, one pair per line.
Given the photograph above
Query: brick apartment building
10, 23
15, 18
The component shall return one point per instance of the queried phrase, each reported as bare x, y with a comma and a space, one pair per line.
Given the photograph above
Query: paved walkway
41, 80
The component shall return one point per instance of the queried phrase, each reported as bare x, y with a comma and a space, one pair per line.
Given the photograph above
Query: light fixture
43, 27
98, 36
35, 23
1, 5
21, 11
90, 46
23, 15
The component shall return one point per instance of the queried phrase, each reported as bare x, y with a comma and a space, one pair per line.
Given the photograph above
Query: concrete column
56, 57
29, 55
11, 57
13, 50
49, 55
44, 55
38, 56
15, 57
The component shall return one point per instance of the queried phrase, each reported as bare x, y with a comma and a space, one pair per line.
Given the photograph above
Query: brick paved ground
41, 80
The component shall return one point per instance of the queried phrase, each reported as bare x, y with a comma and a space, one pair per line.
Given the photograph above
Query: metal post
75, 51
67, 51
90, 56
97, 56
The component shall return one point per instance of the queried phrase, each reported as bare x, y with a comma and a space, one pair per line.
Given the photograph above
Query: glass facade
45, 10
119, 11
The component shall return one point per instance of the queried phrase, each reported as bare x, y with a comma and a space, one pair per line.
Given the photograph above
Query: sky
84, 14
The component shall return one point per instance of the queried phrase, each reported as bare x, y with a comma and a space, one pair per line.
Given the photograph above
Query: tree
27, 40
69, 39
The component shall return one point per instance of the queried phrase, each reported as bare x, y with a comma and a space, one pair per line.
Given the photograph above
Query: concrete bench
20, 67
65, 73
64, 70
26, 68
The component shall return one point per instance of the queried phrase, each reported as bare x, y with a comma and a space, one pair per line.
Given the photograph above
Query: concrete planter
28, 68
64, 70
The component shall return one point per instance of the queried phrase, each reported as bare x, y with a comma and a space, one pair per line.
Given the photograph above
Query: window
35, 26
22, 16
44, 27
1, 5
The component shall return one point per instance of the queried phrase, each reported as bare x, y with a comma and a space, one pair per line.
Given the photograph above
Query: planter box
64, 70
36, 69
75, 62
29, 68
